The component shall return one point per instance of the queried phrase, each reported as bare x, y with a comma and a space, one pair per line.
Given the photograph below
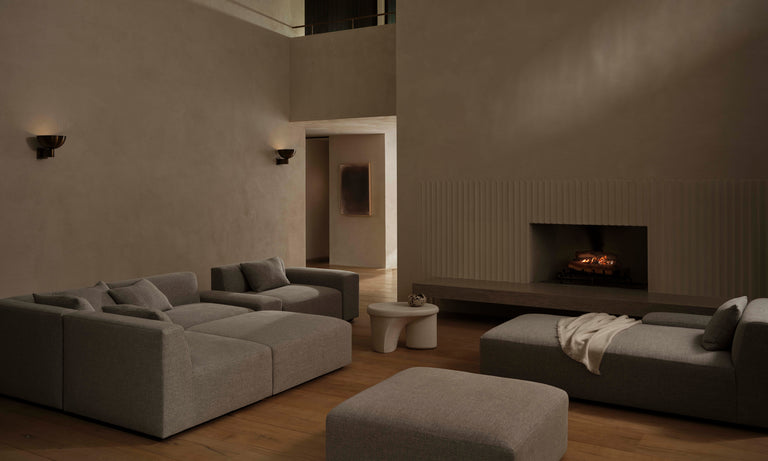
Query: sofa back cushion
96, 295
718, 334
179, 287
137, 311
266, 274
142, 293
68, 302
229, 278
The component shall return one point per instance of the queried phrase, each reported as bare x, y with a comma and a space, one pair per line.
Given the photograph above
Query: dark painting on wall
355, 189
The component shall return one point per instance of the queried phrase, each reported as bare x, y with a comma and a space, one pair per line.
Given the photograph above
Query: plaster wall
358, 240
172, 112
550, 104
343, 74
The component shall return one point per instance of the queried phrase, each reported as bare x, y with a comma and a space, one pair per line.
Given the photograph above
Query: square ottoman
436, 414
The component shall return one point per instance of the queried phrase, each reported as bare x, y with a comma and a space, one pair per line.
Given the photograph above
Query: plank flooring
290, 426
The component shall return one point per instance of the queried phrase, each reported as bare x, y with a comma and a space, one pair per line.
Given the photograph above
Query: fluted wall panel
704, 237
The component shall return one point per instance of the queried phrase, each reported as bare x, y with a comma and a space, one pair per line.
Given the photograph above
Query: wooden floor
291, 425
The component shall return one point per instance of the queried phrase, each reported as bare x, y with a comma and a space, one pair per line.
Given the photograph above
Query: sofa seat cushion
189, 315
648, 366
308, 299
226, 374
303, 346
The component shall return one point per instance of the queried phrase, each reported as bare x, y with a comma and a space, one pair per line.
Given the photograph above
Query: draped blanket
585, 338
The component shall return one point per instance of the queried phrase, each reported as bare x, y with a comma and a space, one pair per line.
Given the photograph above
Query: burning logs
595, 262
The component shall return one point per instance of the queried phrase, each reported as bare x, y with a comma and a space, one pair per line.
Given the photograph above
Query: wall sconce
49, 143
286, 154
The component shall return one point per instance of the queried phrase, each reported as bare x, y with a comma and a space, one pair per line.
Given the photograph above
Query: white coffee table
388, 320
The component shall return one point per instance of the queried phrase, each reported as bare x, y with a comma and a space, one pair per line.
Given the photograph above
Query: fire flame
602, 260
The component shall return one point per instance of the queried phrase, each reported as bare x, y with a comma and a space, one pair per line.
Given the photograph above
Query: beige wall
344, 74
317, 213
172, 113
560, 92
358, 240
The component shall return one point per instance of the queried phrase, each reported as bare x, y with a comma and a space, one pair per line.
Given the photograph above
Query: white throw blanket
585, 338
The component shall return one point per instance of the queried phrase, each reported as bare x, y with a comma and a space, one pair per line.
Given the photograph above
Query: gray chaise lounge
328, 292
656, 367
161, 377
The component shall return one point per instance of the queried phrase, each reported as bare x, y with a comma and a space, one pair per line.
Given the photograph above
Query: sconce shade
48, 143
286, 154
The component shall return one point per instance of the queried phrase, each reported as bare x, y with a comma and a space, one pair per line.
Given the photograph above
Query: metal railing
352, 20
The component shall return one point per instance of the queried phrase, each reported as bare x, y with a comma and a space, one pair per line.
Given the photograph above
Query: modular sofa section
30, 351
155, 378
303, 346
312, 290
749, 351
347, 282
647, 366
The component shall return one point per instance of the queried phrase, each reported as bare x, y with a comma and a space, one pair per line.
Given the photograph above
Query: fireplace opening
615, 256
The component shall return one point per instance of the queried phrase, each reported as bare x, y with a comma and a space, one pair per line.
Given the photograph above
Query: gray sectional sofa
660, 366
328, 292
160, 377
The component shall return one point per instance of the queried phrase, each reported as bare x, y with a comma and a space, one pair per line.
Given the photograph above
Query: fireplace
615, 256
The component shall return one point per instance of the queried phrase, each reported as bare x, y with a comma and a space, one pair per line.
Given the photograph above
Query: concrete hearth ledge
566, 297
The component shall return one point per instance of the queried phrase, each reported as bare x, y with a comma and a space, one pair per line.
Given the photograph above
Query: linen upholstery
69, 302
265, 274
30, 351
647, 366
718, 334
167, 380
179, 287
141, 293
251, 300
308, 299
434, 414
303, 346
96, 295
137, 311
229, 278
189, 315
750, 343
674, 319
146, 375
347, 282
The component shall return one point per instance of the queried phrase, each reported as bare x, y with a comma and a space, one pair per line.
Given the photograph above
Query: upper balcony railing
356, 23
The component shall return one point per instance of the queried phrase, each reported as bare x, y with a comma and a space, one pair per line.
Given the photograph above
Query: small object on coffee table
389, 319
416, 299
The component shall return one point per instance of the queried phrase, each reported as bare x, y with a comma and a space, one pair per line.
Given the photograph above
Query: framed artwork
355, 197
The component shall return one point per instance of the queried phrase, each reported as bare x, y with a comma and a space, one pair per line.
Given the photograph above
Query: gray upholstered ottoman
435, 414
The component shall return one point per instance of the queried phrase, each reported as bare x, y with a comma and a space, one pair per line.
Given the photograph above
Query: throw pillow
266, 274
142, 293
137, 311
69, 302
718, 335
96, 295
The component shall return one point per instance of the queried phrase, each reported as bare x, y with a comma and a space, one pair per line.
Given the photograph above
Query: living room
508, 114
